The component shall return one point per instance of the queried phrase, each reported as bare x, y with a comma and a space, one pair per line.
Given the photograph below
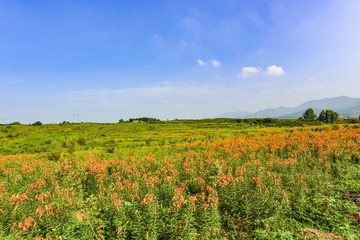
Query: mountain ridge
345, 106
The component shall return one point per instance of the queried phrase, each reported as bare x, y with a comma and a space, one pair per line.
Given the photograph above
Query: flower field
267, 183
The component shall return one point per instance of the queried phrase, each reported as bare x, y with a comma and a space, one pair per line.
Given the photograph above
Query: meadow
209, 179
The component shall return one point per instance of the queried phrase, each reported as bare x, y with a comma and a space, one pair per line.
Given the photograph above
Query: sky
101, 61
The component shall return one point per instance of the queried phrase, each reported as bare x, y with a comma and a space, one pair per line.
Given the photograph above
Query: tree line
326, 116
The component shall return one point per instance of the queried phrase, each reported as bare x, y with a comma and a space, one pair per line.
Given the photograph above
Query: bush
38, 123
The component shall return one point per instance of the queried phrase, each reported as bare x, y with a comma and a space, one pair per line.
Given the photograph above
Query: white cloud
275, 71
201, 62
215, 63
212, 62
246, 71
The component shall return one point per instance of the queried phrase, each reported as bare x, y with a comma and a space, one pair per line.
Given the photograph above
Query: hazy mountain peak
344, 105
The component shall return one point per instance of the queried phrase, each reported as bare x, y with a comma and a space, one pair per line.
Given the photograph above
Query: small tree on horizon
38, 123
328, 116
309, 114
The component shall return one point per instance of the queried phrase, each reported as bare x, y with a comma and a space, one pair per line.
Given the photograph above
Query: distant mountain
352, 112
333, 103
345, 106
296, 115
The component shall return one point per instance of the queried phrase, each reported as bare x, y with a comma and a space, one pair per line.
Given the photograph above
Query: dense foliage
205, 181
309, 114
328, 116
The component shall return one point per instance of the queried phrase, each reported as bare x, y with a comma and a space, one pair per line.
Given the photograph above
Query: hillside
345, 106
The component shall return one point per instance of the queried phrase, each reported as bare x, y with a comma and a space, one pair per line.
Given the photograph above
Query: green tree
322, 116
38, 123
309, 114
328, 116
331, 116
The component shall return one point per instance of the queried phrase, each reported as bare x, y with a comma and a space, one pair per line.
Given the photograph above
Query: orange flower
27, 224
209, 189
41, 212
285, 196
12, 227
192, 198
203, 196
179, 191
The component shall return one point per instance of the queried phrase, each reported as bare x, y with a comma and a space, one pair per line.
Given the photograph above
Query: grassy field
214, 179
15, 139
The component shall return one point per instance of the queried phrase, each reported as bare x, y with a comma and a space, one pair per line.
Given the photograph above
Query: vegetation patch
181, 180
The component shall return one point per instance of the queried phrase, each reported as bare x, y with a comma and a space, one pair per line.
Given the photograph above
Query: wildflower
203, 196
285, 196
27, 224
206, 206
19, 199
192, 198
169, 179
209, 189
12, 227
178, 192
37, 185
41, 212
150, 198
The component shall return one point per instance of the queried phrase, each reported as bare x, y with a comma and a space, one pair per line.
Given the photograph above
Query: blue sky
101, 61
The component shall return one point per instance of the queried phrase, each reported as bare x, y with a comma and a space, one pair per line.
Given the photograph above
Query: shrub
38, 123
